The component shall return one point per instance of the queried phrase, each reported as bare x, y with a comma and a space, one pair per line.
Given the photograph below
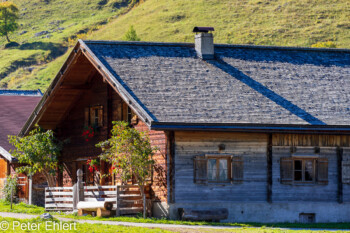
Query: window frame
228, 165
202, 176
93, 119
303, 170
320, 170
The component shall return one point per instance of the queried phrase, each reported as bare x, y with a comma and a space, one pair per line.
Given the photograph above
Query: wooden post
269, 169
117, 212
30, 195
75, 196
340, 180
102, 172
11, 196
171, 166
80, 186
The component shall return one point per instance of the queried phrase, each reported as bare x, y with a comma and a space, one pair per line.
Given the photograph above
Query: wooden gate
23, 190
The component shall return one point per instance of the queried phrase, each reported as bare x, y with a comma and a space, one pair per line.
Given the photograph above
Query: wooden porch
127, 199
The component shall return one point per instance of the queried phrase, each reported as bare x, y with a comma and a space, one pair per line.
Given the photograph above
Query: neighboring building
260, 130
16, 107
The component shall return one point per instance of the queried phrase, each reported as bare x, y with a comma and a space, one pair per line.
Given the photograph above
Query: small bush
11, 183
327, 44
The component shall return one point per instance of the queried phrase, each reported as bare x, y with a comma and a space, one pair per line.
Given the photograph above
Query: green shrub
11, 183
327, 44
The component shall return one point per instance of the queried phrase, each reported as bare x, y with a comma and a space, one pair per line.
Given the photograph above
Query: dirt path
170, 227
179, 228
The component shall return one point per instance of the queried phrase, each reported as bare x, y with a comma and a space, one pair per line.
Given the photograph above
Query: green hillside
46, 29
262, 22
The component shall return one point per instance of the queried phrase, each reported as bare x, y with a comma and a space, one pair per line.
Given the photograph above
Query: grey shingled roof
243, 85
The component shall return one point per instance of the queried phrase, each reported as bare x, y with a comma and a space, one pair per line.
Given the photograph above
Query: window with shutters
94, 116
218, 169
298, 170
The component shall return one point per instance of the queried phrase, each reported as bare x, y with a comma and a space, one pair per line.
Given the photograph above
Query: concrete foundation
275, 212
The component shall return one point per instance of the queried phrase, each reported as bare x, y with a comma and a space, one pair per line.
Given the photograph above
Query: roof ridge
243, 46
140, 43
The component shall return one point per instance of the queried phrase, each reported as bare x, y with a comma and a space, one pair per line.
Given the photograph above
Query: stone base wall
275, 212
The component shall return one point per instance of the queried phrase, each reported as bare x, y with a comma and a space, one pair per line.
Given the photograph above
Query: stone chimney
204, 42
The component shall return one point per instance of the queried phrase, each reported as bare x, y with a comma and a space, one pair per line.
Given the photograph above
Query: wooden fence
59, 199
126, 199
101, 193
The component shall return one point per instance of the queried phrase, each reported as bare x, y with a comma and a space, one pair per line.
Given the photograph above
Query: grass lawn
32, 209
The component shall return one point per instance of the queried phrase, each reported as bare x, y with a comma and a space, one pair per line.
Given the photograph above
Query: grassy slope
61, 19
263, 22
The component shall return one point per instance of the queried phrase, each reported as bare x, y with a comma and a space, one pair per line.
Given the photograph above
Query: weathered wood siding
252, 147
305, 192
346, 187
310, 140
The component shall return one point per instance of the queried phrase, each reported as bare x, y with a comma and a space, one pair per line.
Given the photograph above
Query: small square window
304, 170
94, 116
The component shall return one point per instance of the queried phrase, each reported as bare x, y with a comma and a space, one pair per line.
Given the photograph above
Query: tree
131, 35
130, 153
8, 17
38, 152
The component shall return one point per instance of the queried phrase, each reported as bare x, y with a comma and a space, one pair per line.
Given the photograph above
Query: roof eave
4, 153
117, 86
82, 47
37, 112
262, 128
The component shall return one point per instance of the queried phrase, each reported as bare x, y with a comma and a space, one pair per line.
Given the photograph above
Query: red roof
14, 112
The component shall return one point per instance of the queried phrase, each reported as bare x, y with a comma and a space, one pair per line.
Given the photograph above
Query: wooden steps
129, 200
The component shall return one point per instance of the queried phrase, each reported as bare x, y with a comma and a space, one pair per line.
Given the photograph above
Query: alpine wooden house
262, 131
16, 107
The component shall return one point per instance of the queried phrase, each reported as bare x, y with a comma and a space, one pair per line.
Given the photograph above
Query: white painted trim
6, 154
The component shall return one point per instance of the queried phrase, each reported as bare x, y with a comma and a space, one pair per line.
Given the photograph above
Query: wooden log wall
261, 179
114, 109
311, 140
159, 182
72, 126
305, 192
252, 147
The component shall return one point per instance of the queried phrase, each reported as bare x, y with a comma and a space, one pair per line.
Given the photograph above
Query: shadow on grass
54, 50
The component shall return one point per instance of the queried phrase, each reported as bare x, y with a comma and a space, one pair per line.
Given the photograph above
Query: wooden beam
171, 165
269, 169
75, 87
340, 180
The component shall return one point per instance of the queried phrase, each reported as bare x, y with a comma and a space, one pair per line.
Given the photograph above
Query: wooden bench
101, 208
215, 214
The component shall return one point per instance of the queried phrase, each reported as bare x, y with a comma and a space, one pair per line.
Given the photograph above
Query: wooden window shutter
346, 172
200, 170
87, 116
237, 169
100, 116
286, 170
322, 171
92, 116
